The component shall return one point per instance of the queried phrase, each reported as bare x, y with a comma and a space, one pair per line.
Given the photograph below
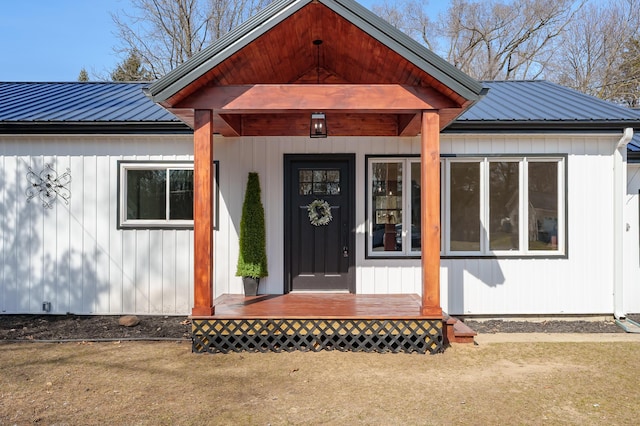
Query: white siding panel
184, 272
167, 272
73, 255
580, 284
104, 176
90, 255
10, 238
100, 269
632, 242
156, 282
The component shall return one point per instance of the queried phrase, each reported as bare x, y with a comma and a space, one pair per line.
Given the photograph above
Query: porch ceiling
271, 85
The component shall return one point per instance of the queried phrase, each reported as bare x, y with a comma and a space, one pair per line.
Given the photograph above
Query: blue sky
52, 40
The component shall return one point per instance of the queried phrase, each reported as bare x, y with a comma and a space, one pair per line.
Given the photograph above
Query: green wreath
319, 213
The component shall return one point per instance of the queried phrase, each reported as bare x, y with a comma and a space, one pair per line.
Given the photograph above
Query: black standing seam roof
542, 101
79, 102
116, 107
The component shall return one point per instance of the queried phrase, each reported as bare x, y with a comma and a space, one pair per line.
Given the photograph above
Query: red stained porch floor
318, 306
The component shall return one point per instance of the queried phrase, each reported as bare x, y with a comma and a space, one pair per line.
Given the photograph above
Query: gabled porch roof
305, 56
368, 77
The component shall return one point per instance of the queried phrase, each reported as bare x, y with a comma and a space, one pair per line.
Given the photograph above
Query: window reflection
387, 203
181, 194
465, 206
146, 194
319, 182
504, 205
543, 206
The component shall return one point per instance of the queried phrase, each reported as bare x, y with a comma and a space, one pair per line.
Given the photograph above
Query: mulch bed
555, 326
64, 327
76, 327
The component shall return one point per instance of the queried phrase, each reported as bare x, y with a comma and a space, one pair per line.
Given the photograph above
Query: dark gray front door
319, 257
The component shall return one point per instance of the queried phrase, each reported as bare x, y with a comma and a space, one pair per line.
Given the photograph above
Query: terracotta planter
250, 286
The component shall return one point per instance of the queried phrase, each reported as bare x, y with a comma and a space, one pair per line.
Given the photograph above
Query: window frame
524, 251
407, 251
124, 166
445, 206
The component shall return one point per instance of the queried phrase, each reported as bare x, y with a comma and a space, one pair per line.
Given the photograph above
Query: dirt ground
163, 383
566, 376
74, 327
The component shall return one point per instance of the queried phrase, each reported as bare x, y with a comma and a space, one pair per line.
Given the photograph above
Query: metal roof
116, 107
634, 145
278, 11
106, 105
539, 104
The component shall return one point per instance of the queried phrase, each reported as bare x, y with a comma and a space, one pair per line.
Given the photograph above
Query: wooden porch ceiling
270, 86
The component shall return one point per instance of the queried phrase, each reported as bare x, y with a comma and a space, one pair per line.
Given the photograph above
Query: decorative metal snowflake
48, 186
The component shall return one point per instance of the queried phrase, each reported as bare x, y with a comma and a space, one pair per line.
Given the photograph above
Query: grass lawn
151, 383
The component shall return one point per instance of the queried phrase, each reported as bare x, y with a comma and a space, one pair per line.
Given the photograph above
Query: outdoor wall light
318, 125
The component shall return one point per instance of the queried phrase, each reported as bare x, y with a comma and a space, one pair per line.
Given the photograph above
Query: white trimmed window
504, 206
155, 195
491, 206
393, 207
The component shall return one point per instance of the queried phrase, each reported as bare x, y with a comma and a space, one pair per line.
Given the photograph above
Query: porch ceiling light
318, 125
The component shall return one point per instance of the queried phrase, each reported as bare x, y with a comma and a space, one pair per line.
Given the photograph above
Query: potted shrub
252, 259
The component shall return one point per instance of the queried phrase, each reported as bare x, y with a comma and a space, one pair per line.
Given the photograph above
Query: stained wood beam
430, 213
409, 125
269, 98
203, 290
448, 115
228, 124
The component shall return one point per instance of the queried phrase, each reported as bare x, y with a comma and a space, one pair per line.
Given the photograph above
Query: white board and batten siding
76, 258
73, 256
631, 271
582, 283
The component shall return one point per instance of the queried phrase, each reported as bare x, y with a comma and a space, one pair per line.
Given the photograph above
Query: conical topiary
252, 260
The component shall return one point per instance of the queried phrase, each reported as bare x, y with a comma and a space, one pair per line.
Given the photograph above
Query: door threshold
320, 291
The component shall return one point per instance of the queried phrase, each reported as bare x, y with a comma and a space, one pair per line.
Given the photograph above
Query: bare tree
629, 88
505, 40
165, 33
599, 51
411, 17
488, 39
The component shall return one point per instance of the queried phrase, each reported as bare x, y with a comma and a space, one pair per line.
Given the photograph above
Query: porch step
456, 331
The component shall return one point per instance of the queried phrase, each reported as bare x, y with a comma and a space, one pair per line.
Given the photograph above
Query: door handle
345, 239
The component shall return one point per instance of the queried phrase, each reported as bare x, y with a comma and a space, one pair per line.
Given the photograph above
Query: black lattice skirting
288, 335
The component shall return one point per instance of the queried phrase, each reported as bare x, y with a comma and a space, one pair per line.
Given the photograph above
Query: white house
534, 204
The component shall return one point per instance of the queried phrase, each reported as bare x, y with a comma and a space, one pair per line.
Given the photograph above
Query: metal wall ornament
48, 186
319, 213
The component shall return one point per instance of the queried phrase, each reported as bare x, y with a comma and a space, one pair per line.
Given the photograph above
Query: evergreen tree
252, 259
83, 76
131, 69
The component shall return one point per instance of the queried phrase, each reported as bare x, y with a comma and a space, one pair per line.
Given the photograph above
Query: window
491, 206
394, 207
319, 182
155, 195
507, 206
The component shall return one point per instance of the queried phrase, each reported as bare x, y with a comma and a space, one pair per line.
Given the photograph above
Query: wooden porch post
203, 289
430, 213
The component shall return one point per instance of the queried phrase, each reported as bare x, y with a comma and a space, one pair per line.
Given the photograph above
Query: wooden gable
269, 86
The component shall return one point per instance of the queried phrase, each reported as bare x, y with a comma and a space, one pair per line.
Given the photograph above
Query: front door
319, 222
